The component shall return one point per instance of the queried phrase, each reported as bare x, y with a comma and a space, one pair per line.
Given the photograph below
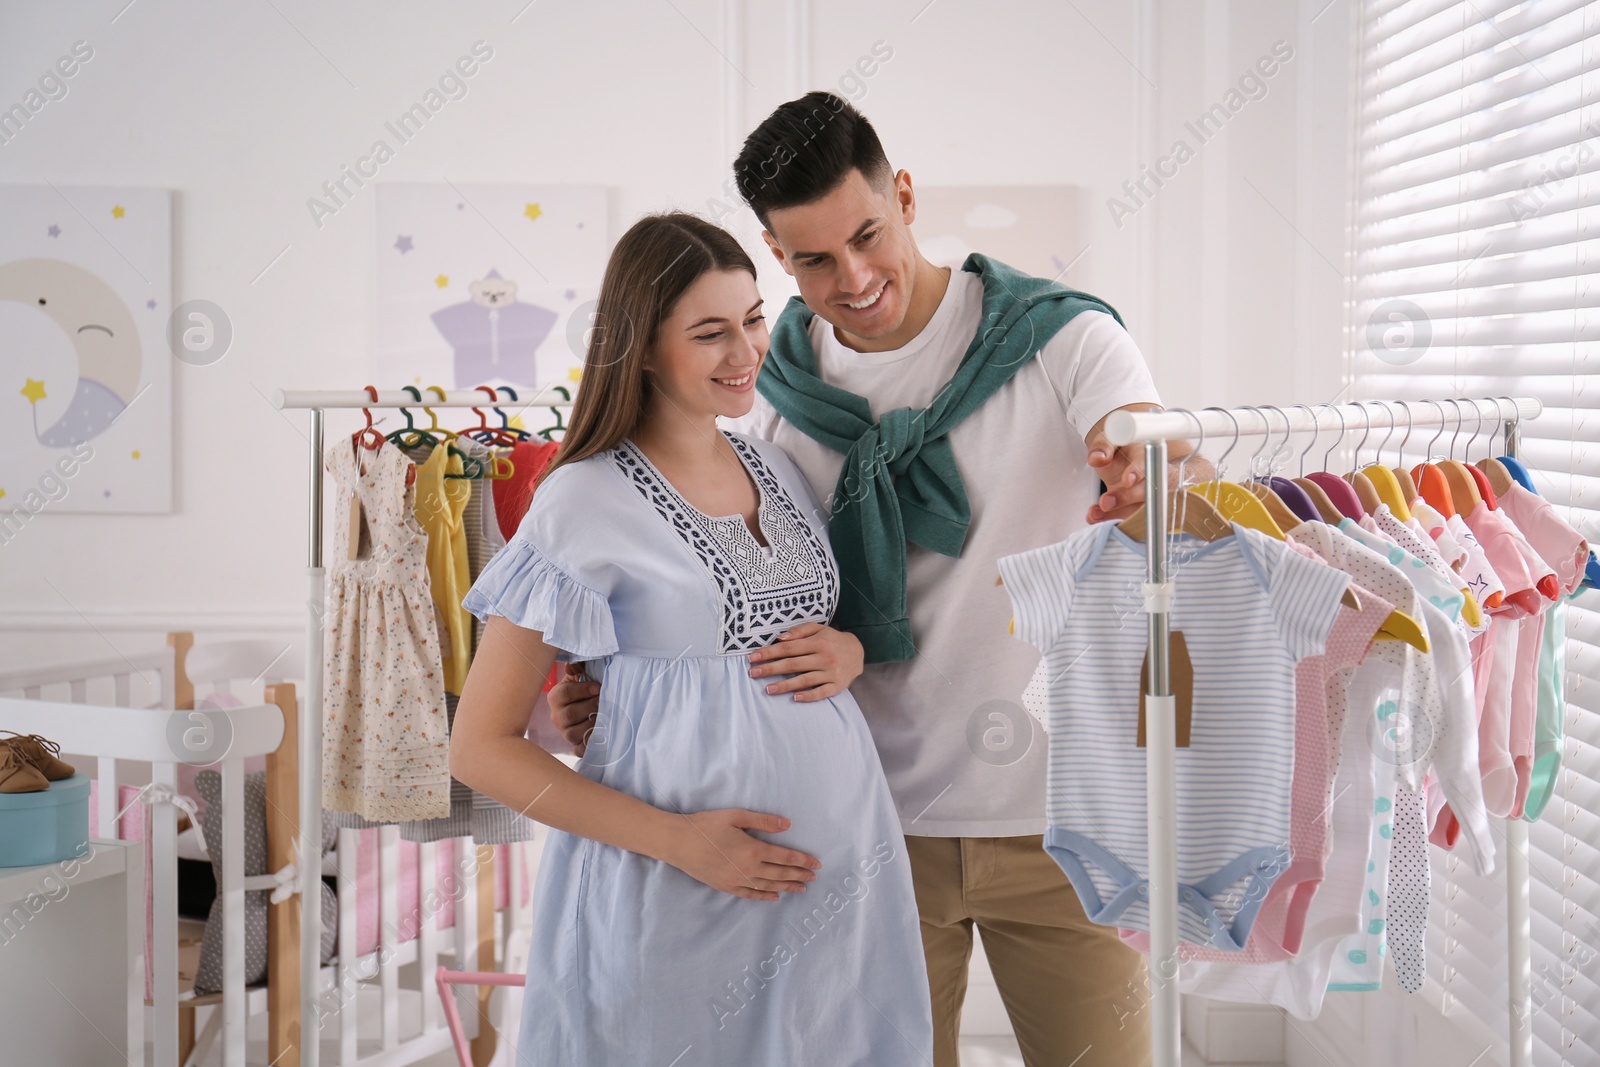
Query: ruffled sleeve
521, 584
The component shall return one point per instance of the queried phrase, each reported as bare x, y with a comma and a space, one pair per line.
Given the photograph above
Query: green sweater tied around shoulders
899, 482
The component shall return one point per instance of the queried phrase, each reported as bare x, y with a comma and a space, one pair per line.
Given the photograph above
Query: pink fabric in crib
408, 902
131, 827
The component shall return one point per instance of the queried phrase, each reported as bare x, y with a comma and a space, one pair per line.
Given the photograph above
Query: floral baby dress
385, 737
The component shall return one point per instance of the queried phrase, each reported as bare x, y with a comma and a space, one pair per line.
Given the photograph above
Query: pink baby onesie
1564, 553
1495, 657
1485, 584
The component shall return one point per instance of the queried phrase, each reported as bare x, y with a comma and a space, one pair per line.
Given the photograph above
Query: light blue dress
633, 962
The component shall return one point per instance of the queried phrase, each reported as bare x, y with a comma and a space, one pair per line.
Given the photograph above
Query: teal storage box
45, 827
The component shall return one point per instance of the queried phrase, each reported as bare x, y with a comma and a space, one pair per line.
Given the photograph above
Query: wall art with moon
85, 371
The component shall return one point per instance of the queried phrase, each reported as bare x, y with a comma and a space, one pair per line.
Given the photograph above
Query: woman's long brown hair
656, 261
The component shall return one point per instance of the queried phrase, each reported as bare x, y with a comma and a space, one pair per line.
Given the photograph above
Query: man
946, 418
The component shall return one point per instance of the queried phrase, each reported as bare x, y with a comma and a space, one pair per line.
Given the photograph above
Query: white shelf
105, 859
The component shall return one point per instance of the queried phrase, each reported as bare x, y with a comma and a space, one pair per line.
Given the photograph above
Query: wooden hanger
1240, 505
1389, 491
1197, 517
1319, 497
1485, 489
1500, 479
1280, 512
1408, 488
1463, 487
1366, 492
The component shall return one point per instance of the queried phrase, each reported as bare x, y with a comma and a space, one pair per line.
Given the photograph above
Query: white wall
246, 112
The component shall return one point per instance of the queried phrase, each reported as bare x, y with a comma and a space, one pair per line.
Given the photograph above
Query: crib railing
148, 699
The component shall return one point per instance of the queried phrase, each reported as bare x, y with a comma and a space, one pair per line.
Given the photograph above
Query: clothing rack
318, 402
1154, 430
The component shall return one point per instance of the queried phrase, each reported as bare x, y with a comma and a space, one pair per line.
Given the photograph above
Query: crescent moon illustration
102, 333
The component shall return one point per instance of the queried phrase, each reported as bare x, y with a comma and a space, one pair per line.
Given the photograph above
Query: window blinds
1476, 234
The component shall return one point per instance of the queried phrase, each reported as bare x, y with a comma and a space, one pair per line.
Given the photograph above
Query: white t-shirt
963, 757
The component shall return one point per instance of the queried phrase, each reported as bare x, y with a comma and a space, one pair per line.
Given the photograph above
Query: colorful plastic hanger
1341, 494
1389, 490
1298, 500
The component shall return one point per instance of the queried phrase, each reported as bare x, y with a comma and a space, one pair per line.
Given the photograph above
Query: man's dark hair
803, 150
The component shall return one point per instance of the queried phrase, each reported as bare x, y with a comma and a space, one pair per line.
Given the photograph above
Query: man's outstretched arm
1122, 469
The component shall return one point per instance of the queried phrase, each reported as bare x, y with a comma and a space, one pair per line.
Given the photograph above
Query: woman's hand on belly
821, 661
713, 847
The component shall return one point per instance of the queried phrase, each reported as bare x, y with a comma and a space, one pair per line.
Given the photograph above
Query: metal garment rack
318, 402
1154, 430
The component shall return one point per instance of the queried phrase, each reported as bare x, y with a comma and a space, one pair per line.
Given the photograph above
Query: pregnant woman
727, 881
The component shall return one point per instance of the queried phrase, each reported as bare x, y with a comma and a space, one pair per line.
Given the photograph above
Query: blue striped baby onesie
1249, 608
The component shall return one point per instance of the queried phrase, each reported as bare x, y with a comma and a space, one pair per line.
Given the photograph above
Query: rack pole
311, 769
1519, 925
1166, 1038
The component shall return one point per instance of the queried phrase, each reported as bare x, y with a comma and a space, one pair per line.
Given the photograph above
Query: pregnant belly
701, 734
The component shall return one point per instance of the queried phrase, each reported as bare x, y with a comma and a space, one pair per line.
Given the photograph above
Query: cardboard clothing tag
1181, 671
359, 540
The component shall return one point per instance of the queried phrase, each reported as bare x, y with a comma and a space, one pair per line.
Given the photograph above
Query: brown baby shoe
17, 775
41, 753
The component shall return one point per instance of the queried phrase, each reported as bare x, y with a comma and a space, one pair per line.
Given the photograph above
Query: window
1476, 239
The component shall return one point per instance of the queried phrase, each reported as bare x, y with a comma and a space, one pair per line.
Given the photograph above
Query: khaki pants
1076, 994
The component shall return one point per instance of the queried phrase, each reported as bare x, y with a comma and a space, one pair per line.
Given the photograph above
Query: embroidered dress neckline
761, 496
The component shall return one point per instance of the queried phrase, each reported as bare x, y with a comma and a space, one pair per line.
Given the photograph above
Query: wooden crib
125, 713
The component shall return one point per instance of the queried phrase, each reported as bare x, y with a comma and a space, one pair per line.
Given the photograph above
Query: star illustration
33, 390
574, 373
442, 280
403, 243
54, 230
118, 211
136, 453
150, 303
532, 211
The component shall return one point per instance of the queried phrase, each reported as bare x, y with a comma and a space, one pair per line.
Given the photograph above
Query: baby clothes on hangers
1249, 608
1550, 723
1354, 961
484, 819
1431, 724
1431, 526
1565, 553
384, 754
1481, 578
1500, 540
480, 522
1344, 934
1434, 586
441, 502
513, 495
1422, 549
1495, 659
1320, 708
1562, 548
